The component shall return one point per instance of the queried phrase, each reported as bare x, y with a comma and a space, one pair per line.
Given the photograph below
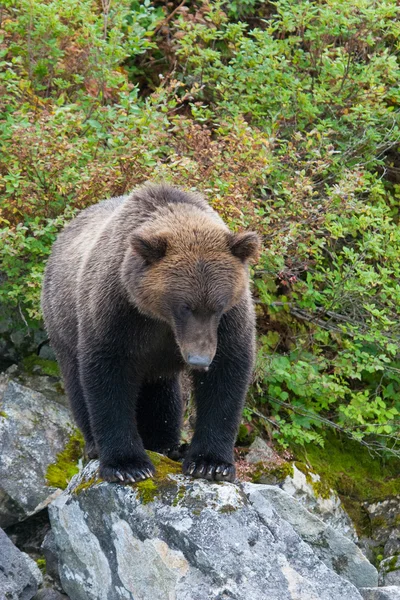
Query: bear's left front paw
213, 470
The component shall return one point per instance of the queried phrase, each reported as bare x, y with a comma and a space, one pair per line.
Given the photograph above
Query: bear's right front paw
130, 471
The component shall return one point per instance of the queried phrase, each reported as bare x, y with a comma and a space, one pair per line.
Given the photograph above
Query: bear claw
211, 470
128, 474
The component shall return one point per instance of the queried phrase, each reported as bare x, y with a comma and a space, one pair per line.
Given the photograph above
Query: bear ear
245, 245
150, 248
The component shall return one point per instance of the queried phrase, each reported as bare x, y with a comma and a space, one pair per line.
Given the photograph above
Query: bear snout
198, 361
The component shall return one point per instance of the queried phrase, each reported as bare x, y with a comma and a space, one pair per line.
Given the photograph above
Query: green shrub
286, 115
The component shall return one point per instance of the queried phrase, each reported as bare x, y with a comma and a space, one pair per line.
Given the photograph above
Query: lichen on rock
181, 538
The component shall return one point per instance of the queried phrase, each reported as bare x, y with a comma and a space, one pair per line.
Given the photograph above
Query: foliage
285, 114
60, 473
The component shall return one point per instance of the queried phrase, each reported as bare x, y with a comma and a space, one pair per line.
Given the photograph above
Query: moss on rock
87, 484
60, 473
357, 476
45, 366
41, 563
273, 474
149, 489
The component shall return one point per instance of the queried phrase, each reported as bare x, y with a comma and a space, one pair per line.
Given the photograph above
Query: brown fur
136, 288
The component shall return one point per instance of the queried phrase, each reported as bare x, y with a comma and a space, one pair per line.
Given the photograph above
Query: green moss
392, 565
357, 476
41, 563
3, 414
275, 473
179, 496
85, 485
149, 489
60, 473
47, 367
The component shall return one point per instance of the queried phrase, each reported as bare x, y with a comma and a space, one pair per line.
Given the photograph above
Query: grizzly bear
138, 288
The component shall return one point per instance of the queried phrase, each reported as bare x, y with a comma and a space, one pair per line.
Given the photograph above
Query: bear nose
196, 360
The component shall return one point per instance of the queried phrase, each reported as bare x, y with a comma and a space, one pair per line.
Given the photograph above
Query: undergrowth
285, 115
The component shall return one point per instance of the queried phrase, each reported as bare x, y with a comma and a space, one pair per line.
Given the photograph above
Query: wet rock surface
33, 430
184, 539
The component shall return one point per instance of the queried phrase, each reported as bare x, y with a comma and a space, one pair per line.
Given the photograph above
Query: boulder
19, 574
176, 537
382, 593
50, 553
389, 571
41, 376
259, 451
17, 339
384, 523
333, 548
304, 487
33, 430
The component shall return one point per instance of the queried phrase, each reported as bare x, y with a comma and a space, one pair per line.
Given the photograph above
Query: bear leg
69, 369
220, 394
159, 414
111, 393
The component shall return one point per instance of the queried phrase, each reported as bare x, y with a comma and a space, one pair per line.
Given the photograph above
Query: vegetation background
285, 115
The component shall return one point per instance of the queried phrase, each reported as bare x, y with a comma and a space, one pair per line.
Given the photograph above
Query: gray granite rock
259, 451
334, 549
33, 430
50, 552
383, 517
183, 539
19, 575
49, 594
389, 571
383, 593
328, 508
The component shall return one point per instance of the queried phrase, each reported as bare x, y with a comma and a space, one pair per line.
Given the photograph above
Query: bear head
187, 269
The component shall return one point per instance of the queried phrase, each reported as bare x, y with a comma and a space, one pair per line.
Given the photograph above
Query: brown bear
138, 288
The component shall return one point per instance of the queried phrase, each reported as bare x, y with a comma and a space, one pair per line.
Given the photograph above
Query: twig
167, 19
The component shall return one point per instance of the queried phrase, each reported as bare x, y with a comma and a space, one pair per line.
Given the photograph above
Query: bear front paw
213, 470
130, 471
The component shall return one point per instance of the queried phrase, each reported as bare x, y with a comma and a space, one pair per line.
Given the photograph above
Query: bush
286, 115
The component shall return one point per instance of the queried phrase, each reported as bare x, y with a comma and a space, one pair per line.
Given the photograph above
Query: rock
17, 339
28, 535
333, 548
181, 538
389, 571
326, 506
259, 451
33, 430
392, 545
19, 575
383, 518
50, 552
383, 593
36, 378
49, 594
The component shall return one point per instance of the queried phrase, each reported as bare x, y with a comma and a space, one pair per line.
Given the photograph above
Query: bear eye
185, 309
